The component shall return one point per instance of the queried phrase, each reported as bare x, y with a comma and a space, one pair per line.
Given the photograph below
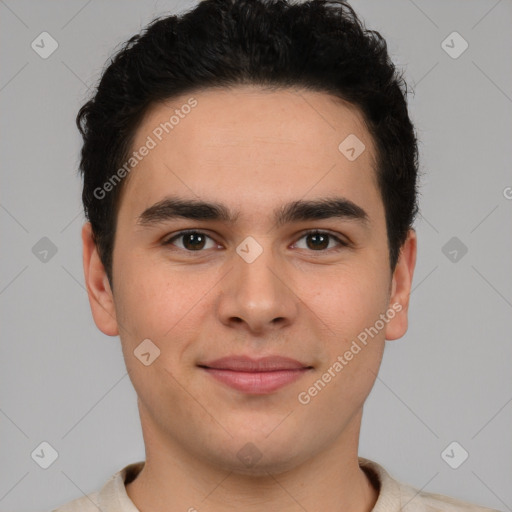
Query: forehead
250, 146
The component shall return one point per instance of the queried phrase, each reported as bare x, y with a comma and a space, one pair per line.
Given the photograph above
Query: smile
255, 376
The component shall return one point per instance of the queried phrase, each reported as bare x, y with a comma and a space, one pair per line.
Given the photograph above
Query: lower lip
256, 382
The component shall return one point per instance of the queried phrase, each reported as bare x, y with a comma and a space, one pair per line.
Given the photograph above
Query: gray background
448, 379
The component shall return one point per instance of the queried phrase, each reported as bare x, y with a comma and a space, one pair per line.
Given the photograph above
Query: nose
257, 296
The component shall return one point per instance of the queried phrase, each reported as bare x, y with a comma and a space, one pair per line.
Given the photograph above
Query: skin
252, 150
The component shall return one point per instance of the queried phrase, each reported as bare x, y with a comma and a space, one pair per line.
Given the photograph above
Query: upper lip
249, 364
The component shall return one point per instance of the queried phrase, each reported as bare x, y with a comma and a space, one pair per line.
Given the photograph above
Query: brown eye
320, 240
190, 241
317, 241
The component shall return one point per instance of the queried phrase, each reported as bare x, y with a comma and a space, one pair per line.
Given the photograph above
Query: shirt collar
114, 498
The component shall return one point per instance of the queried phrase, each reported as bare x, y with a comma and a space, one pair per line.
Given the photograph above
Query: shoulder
87, 503
112, 497
396, 496
419, 501
415, 500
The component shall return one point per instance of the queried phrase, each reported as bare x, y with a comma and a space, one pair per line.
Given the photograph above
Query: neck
173, 479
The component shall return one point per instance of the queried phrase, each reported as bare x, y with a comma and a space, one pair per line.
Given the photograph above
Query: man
250, 174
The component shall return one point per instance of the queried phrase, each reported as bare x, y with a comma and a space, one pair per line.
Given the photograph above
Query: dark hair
319, 45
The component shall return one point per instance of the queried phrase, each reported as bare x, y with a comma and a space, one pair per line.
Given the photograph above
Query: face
285, 256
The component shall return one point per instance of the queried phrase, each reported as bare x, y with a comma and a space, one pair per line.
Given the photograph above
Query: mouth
255, 376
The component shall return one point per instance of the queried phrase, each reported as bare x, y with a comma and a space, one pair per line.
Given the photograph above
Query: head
276, 130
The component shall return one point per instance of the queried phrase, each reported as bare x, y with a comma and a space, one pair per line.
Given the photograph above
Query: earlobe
401, 288
100, 295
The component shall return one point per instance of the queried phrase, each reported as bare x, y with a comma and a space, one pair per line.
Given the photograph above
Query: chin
260, 454
252, 461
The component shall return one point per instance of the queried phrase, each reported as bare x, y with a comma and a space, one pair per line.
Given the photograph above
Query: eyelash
341, 242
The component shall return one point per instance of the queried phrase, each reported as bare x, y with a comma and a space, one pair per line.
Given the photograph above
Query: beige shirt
393, 495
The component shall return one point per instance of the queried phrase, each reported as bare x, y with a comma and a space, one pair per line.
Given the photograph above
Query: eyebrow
171, 208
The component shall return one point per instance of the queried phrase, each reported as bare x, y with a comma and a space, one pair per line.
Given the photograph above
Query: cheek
165, 305
348, 301
163, 309
151, 301
352, 345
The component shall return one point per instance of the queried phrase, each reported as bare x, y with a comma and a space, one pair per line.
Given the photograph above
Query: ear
401, 288
98, 288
